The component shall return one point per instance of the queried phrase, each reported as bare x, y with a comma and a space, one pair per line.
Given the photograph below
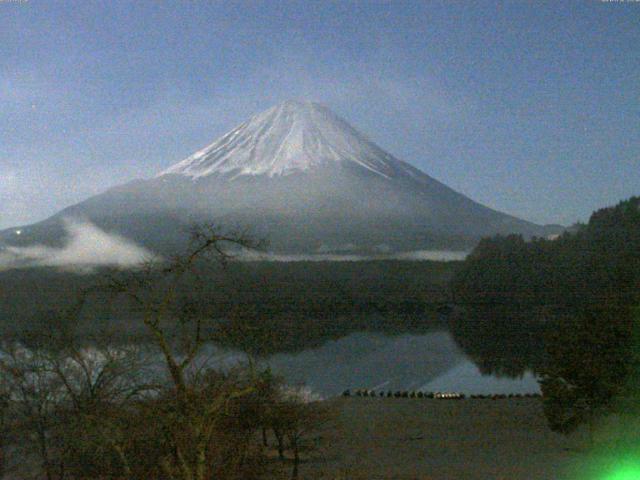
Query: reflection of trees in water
291, 333
262, 307
508, 341
592, 368
500, 340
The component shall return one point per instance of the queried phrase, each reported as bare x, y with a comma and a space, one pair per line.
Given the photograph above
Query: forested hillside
566, 308
598, 265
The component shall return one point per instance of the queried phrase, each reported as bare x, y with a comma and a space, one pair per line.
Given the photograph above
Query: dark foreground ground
373, 438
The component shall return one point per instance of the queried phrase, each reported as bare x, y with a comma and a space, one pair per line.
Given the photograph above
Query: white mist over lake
86, 246
416, 255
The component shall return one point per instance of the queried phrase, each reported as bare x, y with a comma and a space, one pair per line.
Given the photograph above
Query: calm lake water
427, 362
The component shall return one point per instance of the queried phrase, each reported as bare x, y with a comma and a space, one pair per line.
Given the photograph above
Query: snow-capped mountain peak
298, 175
292, 136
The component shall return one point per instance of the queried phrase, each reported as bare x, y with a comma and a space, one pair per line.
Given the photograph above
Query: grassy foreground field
374, 438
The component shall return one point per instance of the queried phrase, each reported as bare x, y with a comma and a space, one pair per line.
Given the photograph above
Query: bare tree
36, 392
168, 294
296, 417
102, 383
97, 410
4, 427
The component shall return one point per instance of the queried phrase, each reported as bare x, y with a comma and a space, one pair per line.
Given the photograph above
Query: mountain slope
300, 176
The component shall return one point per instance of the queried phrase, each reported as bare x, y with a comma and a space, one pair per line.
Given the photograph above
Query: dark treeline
596, 265
261, 307
563, 307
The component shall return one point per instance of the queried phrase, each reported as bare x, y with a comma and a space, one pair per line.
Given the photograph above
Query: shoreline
410, 439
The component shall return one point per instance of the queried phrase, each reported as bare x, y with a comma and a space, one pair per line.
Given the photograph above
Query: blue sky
528, 107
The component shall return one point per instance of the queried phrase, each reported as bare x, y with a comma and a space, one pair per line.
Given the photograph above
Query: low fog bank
417, 255
87, 246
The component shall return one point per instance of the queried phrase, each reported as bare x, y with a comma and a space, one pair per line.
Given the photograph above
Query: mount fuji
299, 176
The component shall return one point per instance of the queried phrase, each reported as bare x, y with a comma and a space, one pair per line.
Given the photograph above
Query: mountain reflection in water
364, 360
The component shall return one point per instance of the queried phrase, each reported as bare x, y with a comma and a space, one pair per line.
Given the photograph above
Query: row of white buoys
434, 395
404, 394
448, 396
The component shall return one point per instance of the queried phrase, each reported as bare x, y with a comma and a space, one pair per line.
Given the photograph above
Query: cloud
88, 246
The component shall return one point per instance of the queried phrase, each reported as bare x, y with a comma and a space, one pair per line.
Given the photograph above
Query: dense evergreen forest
596, 265
564, 307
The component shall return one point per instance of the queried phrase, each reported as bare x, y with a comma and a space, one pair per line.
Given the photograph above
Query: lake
377, 361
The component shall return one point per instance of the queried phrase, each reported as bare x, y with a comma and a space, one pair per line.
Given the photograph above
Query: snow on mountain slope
292, 136
297, 175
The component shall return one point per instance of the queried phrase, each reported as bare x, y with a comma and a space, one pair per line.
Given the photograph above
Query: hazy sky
531, 108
